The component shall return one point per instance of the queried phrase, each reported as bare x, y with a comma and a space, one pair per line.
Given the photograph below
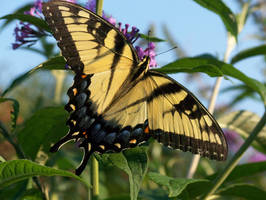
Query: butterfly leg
62, 141
87, 153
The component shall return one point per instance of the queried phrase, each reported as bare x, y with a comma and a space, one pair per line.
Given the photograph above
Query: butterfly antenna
166, 51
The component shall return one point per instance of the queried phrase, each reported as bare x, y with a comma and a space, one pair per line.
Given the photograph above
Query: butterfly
116, 101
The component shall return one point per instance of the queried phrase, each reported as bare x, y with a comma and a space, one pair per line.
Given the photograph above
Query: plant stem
59, 76
95, 178
234, 161
95, 165
214, 96
99, 7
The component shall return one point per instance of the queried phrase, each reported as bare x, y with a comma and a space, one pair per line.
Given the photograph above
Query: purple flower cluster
257, 157
235, 142
149, 51
72, 1
91, 5
25, 34
132, 35
36, 10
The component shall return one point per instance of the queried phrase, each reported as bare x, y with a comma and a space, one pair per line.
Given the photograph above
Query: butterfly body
116, 101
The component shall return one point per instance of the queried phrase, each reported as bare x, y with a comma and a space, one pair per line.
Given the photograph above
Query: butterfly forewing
86, 40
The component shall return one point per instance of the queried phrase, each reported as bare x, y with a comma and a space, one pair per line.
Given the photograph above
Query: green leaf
134, 162
55, 63
16, 170
192, 65
14, 113
255, 51
174, 185
43, 128
244, 170
28, 18
227, 16
230, 70
21, 10
243, 122
243, 190
195, 190
151, 39
213, 67
32, 194
14, 191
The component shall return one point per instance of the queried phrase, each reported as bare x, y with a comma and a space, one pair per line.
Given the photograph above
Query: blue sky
196, 29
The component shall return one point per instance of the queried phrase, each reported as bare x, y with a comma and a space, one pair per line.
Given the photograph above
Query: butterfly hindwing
174, 115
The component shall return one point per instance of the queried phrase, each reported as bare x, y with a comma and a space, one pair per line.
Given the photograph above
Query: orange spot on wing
83, 76
84, 133
146, 130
